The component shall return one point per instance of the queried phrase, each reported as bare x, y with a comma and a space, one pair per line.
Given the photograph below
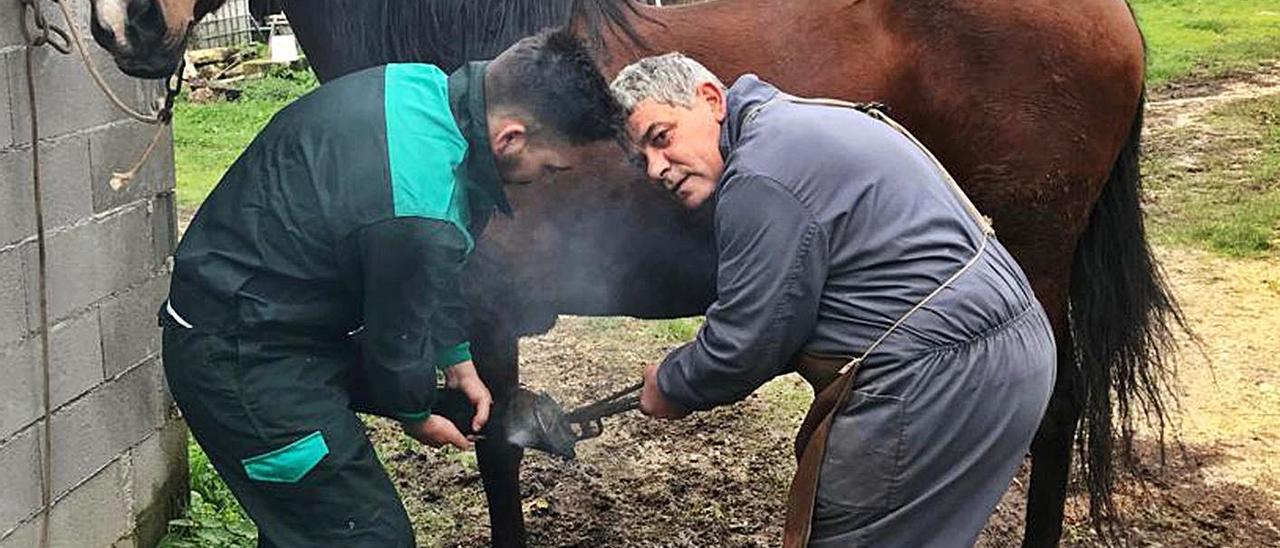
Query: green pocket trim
290, 463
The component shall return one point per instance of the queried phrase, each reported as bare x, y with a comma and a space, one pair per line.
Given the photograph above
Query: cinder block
92, 261
159, 480
20, 393
17, 220
64, 174
11, 25
129, 330
7, 96
13, 300
164, 228
61, 81
11, 22
19, 477
76, 358
64, 178
115, 149
24, 536
75, 367
98, 513
106, 422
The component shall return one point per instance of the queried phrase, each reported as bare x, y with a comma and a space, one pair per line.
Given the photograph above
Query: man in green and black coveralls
321, 277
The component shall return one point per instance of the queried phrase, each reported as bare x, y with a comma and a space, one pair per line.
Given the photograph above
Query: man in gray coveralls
848, 254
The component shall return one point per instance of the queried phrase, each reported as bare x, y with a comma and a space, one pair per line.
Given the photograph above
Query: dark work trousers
274, 414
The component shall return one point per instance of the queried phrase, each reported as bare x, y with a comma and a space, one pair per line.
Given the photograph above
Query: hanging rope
65, 40
161, 117
38, 32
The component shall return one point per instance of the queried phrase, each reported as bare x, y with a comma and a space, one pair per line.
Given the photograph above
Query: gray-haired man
848, 254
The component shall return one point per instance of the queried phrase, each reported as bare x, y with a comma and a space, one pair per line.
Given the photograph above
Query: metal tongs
588, 417
538, 421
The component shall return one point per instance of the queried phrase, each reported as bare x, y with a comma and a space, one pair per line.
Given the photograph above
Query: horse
1035, 107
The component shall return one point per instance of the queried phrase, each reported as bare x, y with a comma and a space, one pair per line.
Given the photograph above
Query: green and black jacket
354, 209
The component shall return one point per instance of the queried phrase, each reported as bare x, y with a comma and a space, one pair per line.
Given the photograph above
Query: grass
213, 518
208, 137
1225, 196
679, 330
1194, 39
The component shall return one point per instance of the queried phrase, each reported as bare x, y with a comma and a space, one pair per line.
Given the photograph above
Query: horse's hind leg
1051, 456
495, 352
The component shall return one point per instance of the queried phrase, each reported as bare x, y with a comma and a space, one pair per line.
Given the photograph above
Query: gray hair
671, 79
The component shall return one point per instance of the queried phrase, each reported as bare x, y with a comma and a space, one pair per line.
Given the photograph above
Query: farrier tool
538, 421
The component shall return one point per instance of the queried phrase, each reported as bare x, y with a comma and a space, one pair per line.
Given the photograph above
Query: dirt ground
718, 479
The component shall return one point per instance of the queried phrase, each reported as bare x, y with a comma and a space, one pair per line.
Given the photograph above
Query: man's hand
653, 403
463, 378
436, 431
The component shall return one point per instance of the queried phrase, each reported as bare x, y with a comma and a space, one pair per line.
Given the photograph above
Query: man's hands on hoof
437, 431
464, 378
653, 403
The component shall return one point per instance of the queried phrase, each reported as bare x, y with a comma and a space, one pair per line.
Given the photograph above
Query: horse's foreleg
495, 352
500, 470
1051, 457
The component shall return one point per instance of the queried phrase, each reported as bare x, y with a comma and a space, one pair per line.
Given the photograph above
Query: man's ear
714, 97
510, 139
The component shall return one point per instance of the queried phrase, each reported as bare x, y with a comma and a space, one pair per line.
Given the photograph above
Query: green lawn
1220, 189
208, 137
1204, 38
1217, 190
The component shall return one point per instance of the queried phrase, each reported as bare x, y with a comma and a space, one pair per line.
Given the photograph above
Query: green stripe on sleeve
425, 149
414, 417
450, 357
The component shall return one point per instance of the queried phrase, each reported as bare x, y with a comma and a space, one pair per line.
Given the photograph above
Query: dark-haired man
322, 276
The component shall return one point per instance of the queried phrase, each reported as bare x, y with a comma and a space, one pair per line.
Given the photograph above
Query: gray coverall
830, 226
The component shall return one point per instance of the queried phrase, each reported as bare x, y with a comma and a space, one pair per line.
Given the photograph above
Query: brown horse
1036, 107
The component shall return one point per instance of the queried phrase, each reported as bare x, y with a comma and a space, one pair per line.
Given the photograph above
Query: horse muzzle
141, 43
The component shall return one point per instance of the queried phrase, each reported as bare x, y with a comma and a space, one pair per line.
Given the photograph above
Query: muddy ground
719, 478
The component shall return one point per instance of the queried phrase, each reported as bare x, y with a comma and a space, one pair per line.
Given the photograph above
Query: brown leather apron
831, 392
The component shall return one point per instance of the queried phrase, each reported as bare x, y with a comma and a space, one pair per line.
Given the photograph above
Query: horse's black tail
1123, 318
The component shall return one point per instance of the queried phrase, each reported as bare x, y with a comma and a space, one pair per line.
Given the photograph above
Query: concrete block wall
118, 447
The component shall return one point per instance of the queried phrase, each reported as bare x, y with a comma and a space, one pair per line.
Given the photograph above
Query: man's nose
657, 165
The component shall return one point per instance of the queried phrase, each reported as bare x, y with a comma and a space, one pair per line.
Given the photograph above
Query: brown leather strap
832, 391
